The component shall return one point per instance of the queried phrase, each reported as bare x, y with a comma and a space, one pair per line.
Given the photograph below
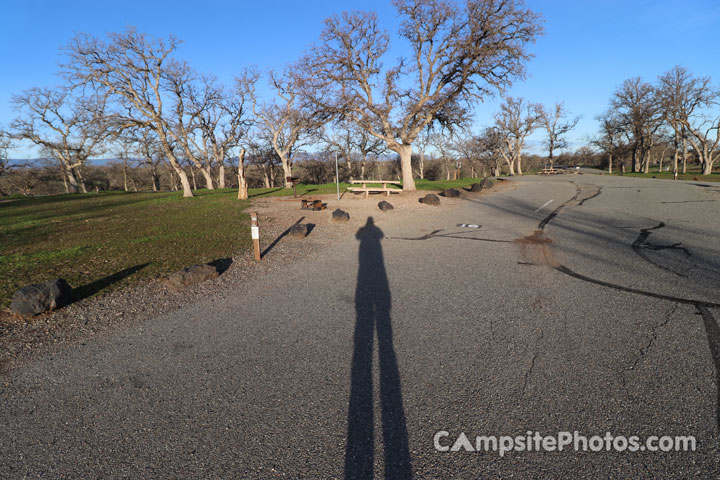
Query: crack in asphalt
543, 223
529, 371
652, 337
579, 189
641, 244
436, 234
598, 191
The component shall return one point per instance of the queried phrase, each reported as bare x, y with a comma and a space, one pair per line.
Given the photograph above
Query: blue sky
588, 49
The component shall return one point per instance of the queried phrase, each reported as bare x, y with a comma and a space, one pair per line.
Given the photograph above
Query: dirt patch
537, 249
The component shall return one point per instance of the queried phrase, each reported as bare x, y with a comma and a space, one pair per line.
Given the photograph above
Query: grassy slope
102, 241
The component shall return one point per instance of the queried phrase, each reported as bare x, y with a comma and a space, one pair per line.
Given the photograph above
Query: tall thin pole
337, 176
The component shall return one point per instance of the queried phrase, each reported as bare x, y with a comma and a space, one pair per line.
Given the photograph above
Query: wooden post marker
255, 234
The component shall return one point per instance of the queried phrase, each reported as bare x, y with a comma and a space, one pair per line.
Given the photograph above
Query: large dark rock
340, 216
192, 276
451, 193
385, 206
486, 183
430, 199
299, 230
476, 187
42, 297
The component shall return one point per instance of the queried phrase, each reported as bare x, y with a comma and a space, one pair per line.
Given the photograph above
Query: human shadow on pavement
372, 306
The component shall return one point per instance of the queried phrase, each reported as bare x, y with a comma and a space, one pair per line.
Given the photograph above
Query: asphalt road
596, 312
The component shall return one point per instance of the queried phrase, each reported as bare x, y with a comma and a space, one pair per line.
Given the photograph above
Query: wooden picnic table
367, 190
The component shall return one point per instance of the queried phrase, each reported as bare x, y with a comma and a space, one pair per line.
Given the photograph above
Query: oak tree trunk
287, 171
125, 182
242, 181
707, 167
207, 174
80, 181
221, 174
684, 155
154, 180
405, 152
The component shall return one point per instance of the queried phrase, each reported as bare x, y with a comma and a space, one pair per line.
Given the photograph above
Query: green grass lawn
100, 241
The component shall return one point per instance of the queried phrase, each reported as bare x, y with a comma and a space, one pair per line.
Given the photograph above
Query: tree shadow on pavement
713, 335
372, 306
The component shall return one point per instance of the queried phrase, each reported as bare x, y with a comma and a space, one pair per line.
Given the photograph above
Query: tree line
129, 94
675, 115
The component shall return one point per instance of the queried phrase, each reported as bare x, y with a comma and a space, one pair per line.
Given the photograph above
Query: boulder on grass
451, 193
41, 297
385, 206
476, 188
486, 183
192, 276
430, 199
340, 216
299, 230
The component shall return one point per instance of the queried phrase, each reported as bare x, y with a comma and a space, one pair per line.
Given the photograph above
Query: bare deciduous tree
685, 101
636, 106
5, 144
222, 123
557, 125
264, 158
471, 150
147, 84
288, 122
490, 146
516, 120
445, 148
610, 133
459, 55
422, 142
340, 140
149, 151
366, 145
69, 126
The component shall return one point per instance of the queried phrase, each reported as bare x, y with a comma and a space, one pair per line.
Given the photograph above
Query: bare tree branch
460, 55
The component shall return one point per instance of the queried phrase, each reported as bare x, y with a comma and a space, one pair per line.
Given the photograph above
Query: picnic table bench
383, 189
550, 171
